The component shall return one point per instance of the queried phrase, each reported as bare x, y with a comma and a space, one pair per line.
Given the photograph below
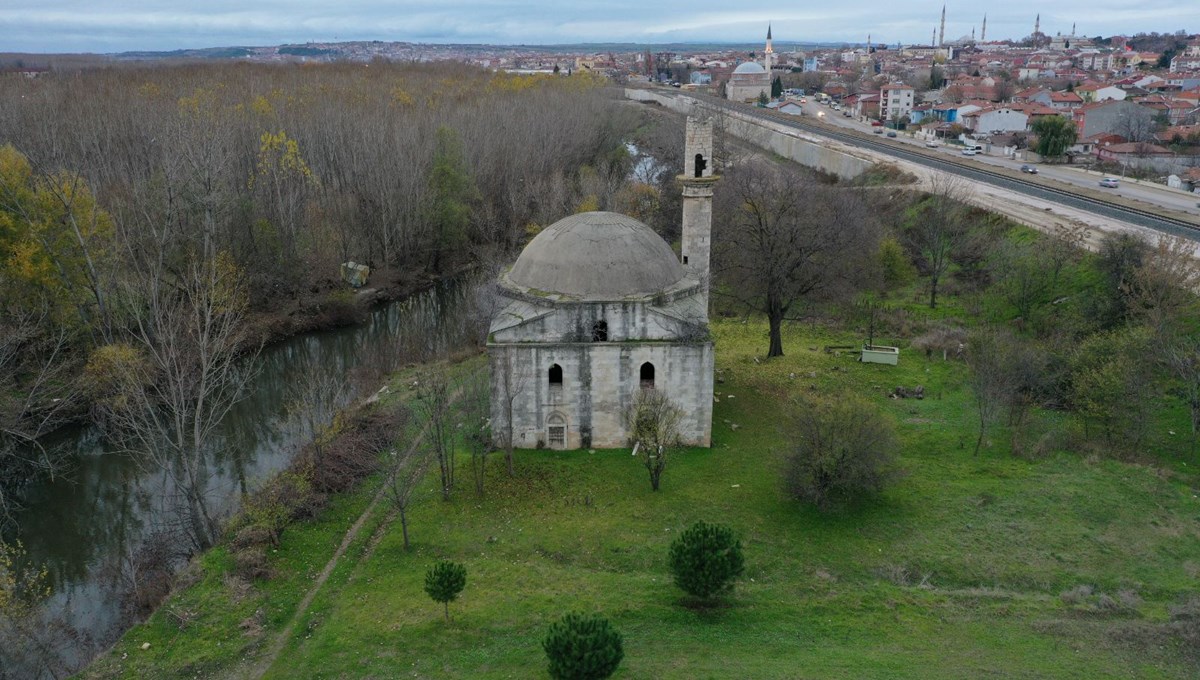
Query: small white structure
880, 354
598, 307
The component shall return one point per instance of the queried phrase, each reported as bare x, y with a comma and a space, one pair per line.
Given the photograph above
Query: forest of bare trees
119, 184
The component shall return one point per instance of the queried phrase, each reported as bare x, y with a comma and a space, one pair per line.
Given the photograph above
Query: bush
843, 450
444, 581
898, 269
287, 496
582, 647
705, 559
251, 563
352, 454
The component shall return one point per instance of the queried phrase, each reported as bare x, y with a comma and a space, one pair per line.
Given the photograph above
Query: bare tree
194, 368
782, 238
315, 398
939, 229
434, 403
1164, 286
1025, 275
511, 382
1135, 125
653, 423
1067, 243
37, 392
476, 426
404, 473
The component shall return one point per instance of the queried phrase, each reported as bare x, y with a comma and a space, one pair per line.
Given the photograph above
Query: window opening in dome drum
701, 164
647, 376
556, 376
600, 331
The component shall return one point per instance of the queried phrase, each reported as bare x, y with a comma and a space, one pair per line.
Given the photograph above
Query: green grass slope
956, 571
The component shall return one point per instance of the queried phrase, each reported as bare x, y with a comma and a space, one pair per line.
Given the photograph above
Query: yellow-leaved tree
55, 243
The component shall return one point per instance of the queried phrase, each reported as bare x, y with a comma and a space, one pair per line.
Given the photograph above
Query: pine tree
452, 193
776, 88
582, 647
444, 582
705, 559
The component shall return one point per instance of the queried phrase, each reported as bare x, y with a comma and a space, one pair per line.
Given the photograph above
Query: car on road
970, 152
891, 133
1029, 169
932, 144
1110, 182
878, 131
847, 113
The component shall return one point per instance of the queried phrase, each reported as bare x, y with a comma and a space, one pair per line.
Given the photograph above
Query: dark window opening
556, 376
600, 331
646, 376
701, 165
685, 259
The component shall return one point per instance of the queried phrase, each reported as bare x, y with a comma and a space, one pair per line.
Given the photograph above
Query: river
82, 526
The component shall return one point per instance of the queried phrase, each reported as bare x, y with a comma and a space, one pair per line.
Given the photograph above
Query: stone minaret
698, 180
983, 31
1037, 24
942, 29
769, 54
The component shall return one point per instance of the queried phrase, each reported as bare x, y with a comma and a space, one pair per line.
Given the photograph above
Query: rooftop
597, 256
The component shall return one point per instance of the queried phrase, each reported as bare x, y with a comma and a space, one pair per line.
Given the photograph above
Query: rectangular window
558, 436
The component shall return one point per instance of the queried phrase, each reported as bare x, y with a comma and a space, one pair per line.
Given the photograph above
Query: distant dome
750, 67
597, 256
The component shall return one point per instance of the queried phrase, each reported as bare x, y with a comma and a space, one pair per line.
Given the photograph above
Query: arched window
646, 376
556, 376
600, 331
701, 165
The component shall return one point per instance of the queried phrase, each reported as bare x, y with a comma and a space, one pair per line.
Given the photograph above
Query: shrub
267, 513
251, 563
444, 581
706, 559
843, 450
1113, 384
582, 647
897, 268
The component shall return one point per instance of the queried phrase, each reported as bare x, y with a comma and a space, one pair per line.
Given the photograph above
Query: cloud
112, 25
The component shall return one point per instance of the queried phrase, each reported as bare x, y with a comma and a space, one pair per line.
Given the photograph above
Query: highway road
1170, 199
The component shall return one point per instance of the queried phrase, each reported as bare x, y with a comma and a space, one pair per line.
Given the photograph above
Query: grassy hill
989, 565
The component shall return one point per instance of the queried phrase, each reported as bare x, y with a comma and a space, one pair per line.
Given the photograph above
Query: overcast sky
118, 25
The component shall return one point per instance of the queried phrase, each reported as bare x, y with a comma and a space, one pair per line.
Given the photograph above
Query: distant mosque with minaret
751, 79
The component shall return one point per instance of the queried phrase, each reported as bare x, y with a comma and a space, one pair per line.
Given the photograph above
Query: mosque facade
597, 307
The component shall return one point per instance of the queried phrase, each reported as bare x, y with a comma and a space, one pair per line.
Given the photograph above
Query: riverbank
88, 527
1061, 565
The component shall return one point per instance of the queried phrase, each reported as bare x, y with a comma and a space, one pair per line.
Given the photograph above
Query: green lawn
956, 571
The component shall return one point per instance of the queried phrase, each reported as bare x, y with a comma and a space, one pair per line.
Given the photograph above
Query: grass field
969, 566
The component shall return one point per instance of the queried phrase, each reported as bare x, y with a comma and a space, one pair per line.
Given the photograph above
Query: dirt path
261, 665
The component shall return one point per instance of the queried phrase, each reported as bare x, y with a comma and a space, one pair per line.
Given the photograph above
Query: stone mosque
750, 78
597, 307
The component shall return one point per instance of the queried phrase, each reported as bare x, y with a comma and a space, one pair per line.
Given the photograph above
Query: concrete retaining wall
770, 135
